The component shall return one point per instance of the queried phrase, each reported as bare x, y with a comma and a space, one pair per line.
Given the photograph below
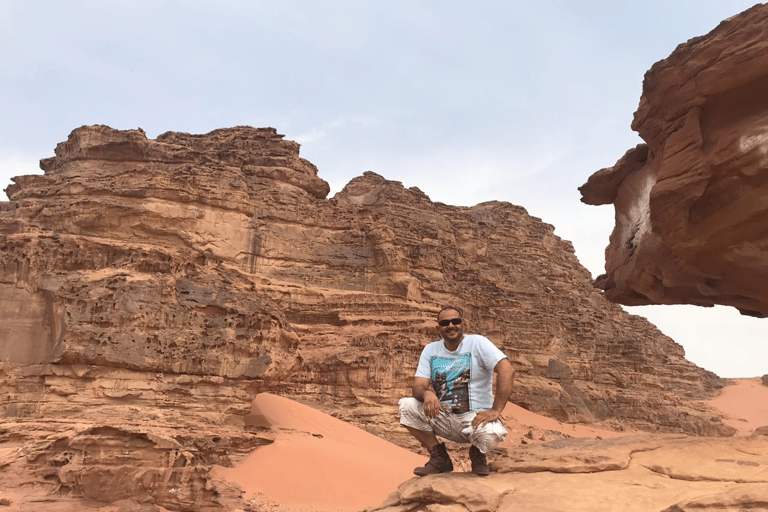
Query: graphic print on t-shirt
450, 378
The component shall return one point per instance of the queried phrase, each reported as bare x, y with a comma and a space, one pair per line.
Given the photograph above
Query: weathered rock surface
168, 465
150, 288
648, 473
691, 209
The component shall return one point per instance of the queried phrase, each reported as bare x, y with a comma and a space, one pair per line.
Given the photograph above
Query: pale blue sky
501, 100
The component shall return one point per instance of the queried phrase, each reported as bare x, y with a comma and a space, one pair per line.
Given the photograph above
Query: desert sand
319, 463
745, 405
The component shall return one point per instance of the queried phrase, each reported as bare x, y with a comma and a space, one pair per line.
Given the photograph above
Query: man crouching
453, 396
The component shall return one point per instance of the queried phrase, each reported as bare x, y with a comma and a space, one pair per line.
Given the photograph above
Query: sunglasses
446, 323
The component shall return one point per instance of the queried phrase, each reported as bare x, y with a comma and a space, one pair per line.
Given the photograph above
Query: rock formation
691, 209
150, 288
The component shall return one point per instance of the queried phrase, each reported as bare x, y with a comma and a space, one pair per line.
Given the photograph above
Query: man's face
451, 333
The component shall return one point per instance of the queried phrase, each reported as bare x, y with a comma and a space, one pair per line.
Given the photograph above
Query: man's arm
422, 391
505, 379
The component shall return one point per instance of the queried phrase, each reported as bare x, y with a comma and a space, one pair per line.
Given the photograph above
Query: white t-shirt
462, 379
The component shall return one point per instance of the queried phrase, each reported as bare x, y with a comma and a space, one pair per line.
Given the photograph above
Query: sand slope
318, 462
745, 403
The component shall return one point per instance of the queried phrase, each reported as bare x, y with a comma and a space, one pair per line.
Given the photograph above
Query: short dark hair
450, 308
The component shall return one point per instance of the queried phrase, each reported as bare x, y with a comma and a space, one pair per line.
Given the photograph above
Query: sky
468, 101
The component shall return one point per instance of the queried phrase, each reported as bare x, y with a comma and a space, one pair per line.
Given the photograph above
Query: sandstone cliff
691, 214
150, 288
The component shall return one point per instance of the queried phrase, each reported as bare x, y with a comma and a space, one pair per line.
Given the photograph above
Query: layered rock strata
691, 209
150, 288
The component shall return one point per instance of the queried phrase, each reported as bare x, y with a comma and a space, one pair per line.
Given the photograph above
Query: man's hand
505, 378
484, 417
432, 406
422, 390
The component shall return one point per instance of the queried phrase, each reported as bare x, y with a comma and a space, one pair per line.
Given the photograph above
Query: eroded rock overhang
692, 201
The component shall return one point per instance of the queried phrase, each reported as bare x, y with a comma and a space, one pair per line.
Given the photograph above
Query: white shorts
456, 427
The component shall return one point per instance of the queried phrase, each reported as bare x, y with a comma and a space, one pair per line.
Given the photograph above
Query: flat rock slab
727, 460
579, 455
647, 473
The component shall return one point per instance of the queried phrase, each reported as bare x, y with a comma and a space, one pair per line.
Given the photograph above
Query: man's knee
485, 443
489, 436
408, 405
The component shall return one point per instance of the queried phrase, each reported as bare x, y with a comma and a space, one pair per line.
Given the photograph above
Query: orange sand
518, 419
745, 404
319, 463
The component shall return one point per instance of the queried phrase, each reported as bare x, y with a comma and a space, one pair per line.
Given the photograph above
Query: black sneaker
439, 462
479, 463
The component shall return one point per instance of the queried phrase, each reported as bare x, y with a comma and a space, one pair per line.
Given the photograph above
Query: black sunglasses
446, 323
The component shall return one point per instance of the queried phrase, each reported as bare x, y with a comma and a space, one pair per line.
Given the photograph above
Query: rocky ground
634, 473
628, 472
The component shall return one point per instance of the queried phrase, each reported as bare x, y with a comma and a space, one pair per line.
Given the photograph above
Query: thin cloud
327, 129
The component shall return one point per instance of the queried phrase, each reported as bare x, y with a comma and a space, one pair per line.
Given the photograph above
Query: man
453, 396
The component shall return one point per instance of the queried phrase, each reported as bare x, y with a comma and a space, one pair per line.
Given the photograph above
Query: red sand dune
319, 463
